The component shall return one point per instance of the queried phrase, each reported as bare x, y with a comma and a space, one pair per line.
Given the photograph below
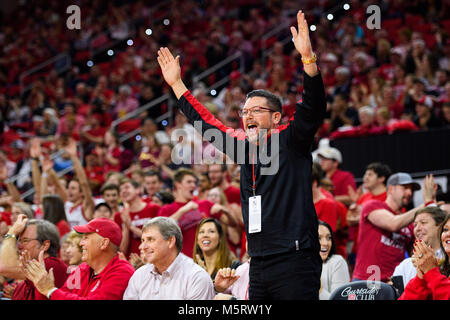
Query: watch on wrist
9, 235
310, 60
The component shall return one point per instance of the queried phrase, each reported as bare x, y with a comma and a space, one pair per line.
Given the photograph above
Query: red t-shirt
370, 196
138, 219
326, 210
26, 290
189, 221
377, 247
6, 217
233, 194
341, 180
63, 227
354, 230
95, 174
114, 153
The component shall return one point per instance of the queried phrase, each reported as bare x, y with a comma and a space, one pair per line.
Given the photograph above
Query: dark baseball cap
402, 178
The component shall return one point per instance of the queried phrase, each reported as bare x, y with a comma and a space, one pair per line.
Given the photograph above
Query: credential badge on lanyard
254, 205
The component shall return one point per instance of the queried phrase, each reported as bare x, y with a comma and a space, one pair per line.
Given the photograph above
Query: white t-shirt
74, 215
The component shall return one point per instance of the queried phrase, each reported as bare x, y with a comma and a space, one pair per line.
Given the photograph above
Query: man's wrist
10, 235
430, 203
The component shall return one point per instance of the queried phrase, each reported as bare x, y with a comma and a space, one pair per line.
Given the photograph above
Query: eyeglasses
254, 110
25, 240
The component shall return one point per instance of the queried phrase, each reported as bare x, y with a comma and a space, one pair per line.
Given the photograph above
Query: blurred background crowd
101, 88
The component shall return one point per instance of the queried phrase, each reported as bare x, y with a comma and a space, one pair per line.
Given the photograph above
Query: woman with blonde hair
211, 250
74, 250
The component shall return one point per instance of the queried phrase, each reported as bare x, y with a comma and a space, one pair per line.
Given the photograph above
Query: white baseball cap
330, 153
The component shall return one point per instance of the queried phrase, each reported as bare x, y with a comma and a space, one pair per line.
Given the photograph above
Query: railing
140, 109
17, 176
57, 58
204, 74
168, 97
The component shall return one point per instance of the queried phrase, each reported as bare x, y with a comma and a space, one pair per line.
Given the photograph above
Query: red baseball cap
104, 227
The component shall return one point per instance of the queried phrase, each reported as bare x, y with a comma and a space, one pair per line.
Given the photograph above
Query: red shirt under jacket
110, 284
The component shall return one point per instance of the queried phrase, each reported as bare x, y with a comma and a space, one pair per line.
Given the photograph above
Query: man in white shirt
169, 274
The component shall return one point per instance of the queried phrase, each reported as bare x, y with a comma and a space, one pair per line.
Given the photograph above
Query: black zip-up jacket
288, 219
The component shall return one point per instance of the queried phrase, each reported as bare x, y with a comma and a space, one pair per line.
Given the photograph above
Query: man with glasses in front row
32, 236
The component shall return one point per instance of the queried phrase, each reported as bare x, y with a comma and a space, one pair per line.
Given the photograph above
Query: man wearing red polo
101, 276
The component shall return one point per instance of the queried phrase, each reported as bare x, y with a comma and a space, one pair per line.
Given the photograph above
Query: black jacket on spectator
289, 220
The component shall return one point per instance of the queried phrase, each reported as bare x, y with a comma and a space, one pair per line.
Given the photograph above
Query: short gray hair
45, 230
168, 228
25, 208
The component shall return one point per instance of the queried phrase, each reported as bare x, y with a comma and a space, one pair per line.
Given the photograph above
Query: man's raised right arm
220, 136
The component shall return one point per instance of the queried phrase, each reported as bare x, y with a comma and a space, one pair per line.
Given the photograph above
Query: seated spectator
184, 210
343, 82
431, 282
109, 155
445, 114
326, 208
38, 238
114, 177
101, 276
74, 250
366, 117
211, 250
427, 222
425, 118
138, 176
150, 150
162, 198
152, 184
110, 193
169, 274
93, 132
49, 124
217, 176
204, 185
334, 268
413, 95
19, 208
384, 231
53, 208
341, 114
126, 103
103, 210
70, 123
232, 284
330, 159
233, 211
64, 244
94, 171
